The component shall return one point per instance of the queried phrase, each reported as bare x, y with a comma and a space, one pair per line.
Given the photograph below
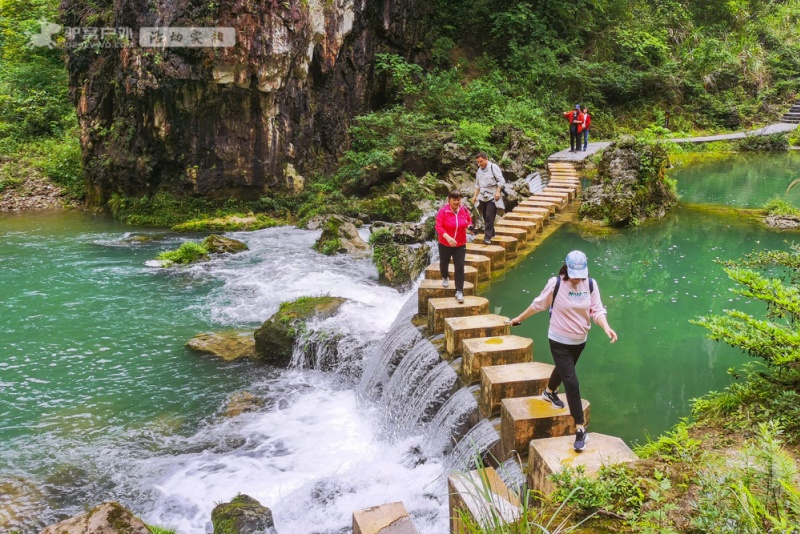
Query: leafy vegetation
764, 143
188, 252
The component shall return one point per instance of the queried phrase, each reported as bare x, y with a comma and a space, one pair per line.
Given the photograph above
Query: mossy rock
242, 515
107, 517
340, 236
227, 345
216, 244
275, 339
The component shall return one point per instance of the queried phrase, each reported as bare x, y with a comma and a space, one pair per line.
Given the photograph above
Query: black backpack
558, 284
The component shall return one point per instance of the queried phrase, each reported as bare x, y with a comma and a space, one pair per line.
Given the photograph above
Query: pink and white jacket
573, 308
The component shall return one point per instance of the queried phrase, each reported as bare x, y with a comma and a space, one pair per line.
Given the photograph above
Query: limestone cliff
237, 121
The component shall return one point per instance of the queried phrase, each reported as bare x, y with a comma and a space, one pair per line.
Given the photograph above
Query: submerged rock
632, 187
108, 518
275, 339
227, 345
783, 222
241, 402
242, 515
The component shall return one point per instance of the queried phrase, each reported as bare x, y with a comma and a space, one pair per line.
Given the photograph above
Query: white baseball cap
577, 264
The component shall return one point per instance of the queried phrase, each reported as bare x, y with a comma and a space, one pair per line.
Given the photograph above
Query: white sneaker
445, 282
460, 297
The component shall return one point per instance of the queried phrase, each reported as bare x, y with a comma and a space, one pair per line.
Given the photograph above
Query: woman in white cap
573, 299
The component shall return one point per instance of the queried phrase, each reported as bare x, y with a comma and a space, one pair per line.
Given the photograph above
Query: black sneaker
553, 397
580, 440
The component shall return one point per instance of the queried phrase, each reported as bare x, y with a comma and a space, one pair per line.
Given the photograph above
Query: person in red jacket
587, 122
452, 223
575, 119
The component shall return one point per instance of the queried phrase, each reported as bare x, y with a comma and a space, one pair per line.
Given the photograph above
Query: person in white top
573, 299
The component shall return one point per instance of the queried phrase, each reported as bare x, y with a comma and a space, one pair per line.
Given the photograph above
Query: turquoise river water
99, 399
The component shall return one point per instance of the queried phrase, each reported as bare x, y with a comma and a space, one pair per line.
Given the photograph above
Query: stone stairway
511, 382
793, 115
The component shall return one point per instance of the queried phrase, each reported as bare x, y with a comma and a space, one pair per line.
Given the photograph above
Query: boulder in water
784, 222
227, 345
340, 235
275, 339
108, 518
398, 264
241, 402
216, 244
633, 186
242, 515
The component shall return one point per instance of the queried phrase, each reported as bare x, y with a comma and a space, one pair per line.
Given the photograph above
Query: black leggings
459, 254
565, 357
489, 213
574, 137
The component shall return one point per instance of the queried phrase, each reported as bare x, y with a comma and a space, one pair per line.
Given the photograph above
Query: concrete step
552, 207
500, 350
792, 115
484, 498
560, 165
791, 121
432, 289
537, 218
574, 186
507, 242
457, 329
441, 308
500, 382
480, 262
531, 227
549, 455
495, 253
525, 418
391, 518
470, 273
552, 193
562, 174
554, 189
520, 234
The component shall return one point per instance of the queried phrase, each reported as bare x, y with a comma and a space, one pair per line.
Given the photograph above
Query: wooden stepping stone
544, 212
389, 518
439, 309
457, 329
480, 262
470, 273
550, 455
553, 189
482, 351
562, 200
545, 204
495, 253
431, 289
500, 382
540, 220
525, 418
570, 186
553, 193
520, 234
531, 228
507, 242
482, 496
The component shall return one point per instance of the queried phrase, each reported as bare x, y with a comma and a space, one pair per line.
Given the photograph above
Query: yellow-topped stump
440, 309
550, 455
562, 202
544, 212
563, 184
457, 329
496, 253
500, 382
520, 234
470, 273
525, 418
432, 289
561, 196
507, 242
482, 496
391, 518
480, 262
544, 204
539, 219
531, 227
500, 350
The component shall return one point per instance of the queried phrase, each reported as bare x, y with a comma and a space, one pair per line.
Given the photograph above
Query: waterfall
473, 448
511, 473
452, 421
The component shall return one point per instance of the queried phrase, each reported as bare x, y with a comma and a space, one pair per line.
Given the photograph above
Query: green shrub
764, 143
189, 252
779, 206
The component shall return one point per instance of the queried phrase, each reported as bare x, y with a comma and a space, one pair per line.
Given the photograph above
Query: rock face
108, 518
398, 263
243, 515
275, 339
340, 235
632, 185
229, 121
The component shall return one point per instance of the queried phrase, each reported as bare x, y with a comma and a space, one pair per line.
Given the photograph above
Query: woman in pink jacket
573, 299
452, 222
